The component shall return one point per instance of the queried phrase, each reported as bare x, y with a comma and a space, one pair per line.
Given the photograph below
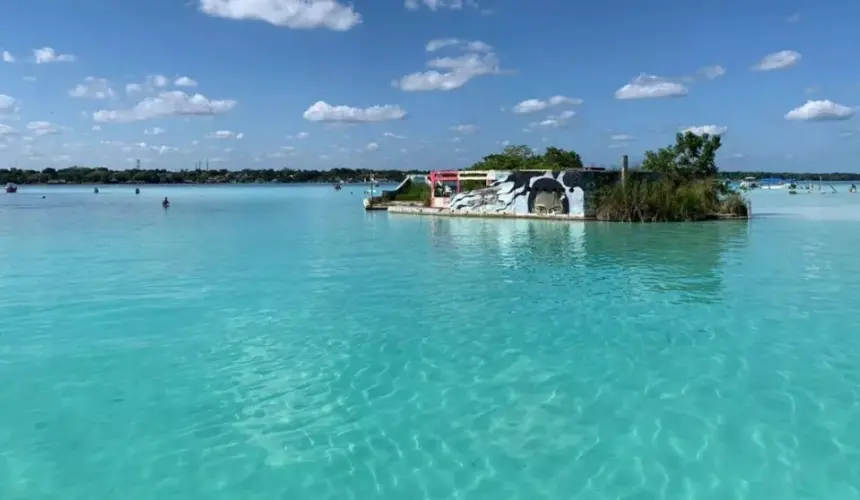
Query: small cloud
825, 110
184, 81
778, 60
535, 105
621, 137
322, 111
226, 134
47, 55
707, 129
651, 87
793, 18
552, 121
712, 72
465, 129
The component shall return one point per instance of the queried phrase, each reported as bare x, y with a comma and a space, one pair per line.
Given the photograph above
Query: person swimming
96, 190
165, 203
136, 190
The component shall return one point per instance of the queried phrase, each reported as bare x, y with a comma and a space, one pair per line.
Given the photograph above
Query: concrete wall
533, 192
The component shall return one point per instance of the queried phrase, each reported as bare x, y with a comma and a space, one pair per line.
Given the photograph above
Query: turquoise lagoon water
281, 343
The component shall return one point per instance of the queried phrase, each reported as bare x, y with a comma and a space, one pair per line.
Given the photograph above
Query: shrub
735, 204
415, 192
666, 200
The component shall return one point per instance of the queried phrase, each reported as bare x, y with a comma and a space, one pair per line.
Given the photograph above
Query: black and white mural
547, 193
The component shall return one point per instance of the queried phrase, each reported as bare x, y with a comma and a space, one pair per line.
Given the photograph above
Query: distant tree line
511, 158
87, 175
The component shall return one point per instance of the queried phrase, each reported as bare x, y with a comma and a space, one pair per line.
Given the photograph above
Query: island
679, 182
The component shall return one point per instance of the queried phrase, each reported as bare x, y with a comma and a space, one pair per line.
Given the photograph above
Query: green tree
511, 158
559, 159
522, 157
691, 157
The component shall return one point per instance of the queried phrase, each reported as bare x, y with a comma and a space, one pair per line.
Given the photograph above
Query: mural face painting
548, 193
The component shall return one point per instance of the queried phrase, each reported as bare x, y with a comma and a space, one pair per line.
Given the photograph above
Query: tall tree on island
691, 157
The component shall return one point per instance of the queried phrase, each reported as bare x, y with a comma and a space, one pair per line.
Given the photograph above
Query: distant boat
749, 183
11, 188
777, 183
338, 186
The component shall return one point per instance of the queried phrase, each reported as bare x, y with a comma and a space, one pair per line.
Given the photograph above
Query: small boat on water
749, 183
777, 183
11, 188
338, 186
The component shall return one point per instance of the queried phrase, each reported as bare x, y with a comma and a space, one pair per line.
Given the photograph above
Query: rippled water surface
281, 343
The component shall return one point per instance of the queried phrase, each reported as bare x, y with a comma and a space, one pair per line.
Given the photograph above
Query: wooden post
624, 168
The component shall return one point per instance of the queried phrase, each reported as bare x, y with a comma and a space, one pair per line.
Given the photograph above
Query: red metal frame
456, 176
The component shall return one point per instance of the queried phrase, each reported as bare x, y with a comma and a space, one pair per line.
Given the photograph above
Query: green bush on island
683, 186
523, 157
415, 192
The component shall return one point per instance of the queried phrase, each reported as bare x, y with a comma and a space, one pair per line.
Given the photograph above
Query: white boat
777, 183
749, 183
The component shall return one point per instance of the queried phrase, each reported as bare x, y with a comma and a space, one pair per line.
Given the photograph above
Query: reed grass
666, 200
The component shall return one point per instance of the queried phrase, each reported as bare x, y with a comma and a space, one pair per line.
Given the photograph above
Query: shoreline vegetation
677, 183
100, 175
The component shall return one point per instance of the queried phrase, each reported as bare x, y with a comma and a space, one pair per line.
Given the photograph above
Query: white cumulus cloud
93, 88
322, 111
707, 129
451, 73
8, 57
650, 87
294, 14
8, 104
535, 105
226, 134
553, 121
47, 55
820, 111
154, 131
184, 81
778, 60
166, 104
372, 146
40, 128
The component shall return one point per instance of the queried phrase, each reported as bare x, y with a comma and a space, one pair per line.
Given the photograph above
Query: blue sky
321, 84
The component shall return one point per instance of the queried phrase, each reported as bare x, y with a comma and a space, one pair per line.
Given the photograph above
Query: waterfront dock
444, 212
